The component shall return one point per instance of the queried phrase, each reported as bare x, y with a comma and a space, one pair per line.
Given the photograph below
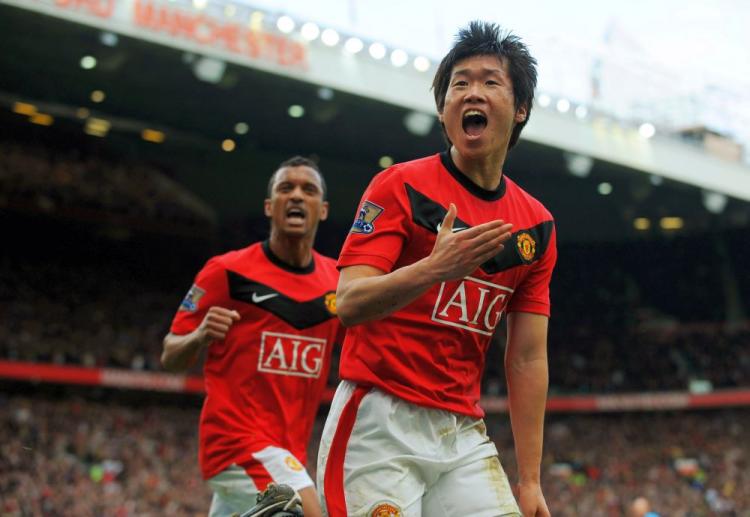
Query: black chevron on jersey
513, 256
429, 214
300, 315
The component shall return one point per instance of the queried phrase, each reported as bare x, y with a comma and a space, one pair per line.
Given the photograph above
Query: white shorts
382, 456
236, 487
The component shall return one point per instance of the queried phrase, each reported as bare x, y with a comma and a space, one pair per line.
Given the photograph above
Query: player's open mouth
295, 215
474, 122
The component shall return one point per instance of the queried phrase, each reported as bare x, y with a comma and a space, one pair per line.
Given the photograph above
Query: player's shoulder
230, 258
529, 202
324, 260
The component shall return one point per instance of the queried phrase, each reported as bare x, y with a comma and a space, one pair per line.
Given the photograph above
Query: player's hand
459, 252
531, 500
216, 323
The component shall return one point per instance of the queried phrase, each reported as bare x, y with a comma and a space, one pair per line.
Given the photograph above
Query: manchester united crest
330, 302
293, 463
385, 510
526, 246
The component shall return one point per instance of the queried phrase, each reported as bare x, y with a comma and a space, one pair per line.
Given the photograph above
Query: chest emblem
330, 302
526, 246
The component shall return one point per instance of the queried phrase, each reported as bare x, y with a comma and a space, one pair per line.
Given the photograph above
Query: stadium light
604, 188
647, 130
581, 112
296, 111
579, 165
97, 127
419, 123
353, 45
98, 96
88, 62
325, 93
83, 113
330, 37
228, 145
153, 136
399, 58
385, 162
377, 50
41, 119
714, 202
641, 223
544, 100
109, 39
256, 21
285, 24
24, 108
310, 31
241, 128
200, 4
421, 63
563, 105
671, 223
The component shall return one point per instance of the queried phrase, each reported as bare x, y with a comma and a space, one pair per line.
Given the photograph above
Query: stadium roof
149, 86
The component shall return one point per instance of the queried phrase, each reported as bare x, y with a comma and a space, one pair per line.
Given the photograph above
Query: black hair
298, 161
488, 39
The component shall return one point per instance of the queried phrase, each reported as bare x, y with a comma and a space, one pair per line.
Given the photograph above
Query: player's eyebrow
484, 71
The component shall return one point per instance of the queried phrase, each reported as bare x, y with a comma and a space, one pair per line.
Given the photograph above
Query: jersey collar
473, 188
283, 265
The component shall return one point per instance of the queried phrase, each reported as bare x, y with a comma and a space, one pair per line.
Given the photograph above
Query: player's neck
486, 171
294, 251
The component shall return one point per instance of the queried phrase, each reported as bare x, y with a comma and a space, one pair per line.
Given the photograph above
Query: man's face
479, 112
296, 204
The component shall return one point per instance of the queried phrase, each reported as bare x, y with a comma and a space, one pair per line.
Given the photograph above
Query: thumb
235, 315
449, 219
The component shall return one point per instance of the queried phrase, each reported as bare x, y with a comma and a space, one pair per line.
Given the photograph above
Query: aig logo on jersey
287, 354
365, 221
471, 304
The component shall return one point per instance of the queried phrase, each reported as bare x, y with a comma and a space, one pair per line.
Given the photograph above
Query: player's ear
521, 113
267, 207
324, 211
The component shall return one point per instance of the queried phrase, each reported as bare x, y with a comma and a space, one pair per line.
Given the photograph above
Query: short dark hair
488, 39
298, 161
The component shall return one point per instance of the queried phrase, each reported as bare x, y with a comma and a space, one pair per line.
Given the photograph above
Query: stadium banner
166, 382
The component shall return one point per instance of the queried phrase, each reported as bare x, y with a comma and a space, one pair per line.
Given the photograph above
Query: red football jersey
264, 382
432, 351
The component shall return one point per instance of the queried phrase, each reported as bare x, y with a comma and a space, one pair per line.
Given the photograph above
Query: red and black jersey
432, 351
264, 382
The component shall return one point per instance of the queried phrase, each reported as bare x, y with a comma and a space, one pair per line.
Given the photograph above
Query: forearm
527, 395
374, 297
181, 352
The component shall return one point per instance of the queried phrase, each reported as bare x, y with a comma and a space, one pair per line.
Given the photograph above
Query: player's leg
488, 485
284, 469
367, 463
234, 492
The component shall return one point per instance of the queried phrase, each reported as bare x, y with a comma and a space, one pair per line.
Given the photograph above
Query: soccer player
440, 249
266, 316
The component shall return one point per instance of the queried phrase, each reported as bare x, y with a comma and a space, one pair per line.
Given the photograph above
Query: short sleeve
381, 226
532, 295
208, 289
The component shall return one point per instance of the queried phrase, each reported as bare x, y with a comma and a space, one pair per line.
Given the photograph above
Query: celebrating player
440, 249
266, 316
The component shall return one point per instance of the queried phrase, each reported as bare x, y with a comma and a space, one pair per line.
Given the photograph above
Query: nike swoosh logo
454, 230
258, 299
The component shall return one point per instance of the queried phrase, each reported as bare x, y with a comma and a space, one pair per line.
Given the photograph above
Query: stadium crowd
40, 179
73, 456
103, 315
